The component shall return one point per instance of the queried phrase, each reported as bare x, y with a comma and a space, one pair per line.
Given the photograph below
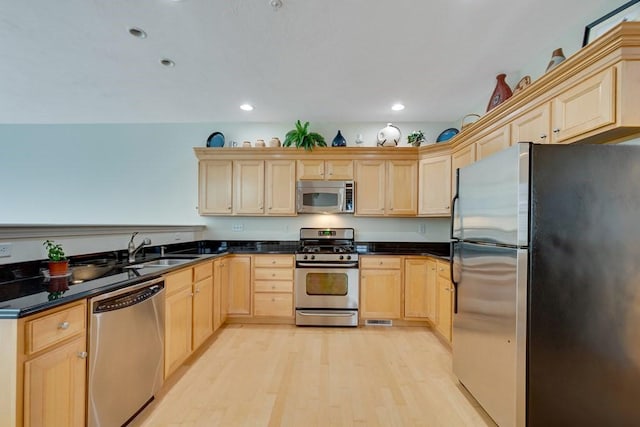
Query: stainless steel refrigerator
546, 265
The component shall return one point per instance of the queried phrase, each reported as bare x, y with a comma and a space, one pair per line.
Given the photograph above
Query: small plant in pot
58, 262
302, 138
415, 138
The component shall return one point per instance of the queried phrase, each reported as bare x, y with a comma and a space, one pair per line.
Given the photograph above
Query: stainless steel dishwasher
126, 352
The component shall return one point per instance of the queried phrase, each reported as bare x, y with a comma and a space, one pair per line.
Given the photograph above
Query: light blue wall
147, 174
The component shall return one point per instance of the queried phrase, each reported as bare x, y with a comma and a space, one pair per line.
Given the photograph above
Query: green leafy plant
302, 138
415, 138
54, 250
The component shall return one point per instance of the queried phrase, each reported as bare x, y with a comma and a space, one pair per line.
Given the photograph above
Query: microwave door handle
341, 200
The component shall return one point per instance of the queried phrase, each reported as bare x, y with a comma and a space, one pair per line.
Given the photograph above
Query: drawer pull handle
83, 354
556, 130
63, 325
543, 136
273, 300
273, 262
273, 287
273, 274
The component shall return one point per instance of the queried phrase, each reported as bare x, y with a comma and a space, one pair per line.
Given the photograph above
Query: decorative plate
216, 139
447, 134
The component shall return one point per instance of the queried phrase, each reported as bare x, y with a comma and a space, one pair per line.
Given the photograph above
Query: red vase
501, 93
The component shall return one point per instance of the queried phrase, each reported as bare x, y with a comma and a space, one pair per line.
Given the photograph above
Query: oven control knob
305, 257
348, 256
341, 256
313, 257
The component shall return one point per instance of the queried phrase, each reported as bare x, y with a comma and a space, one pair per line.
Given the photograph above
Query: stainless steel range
327, 278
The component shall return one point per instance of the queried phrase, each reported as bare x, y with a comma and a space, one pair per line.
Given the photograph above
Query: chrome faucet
132, 247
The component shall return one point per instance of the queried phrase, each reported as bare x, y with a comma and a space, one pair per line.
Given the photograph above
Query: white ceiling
74, 61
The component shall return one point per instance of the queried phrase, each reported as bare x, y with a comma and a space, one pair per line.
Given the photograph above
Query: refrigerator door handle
453, 205
452, 246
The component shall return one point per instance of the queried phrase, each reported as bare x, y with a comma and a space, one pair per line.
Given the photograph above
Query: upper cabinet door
402, 188
280, 187
214, 187
370, 187
248, 187
435, 186
339, 170
586, 106
533, 126
310, 169
495, 141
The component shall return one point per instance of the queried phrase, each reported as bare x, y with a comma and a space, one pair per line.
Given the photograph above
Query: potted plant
58, 262
415, 138
302, 138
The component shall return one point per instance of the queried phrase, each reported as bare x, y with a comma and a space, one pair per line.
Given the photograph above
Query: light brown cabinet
420, 288
386, 187
239, 289
273, 286
55, 386
203, 303
220, 292
248, 187
280, 189
435, 186
494, 141
380, 287
54, 382
178, 319
319, 169
215, 185
588, 105
189, 312
444, 320
533, 126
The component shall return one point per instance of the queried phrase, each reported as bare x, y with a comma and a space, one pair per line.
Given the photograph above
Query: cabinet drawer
175, 282
202, 271
273, 261
273, 286
53, 328
443, 269
273, 274
380, 262
273, 304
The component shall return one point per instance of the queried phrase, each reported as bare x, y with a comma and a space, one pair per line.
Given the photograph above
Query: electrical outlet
177, 237
422, 228
5, 250
237, 227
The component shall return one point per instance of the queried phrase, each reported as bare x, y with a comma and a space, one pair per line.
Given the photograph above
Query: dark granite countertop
24, 290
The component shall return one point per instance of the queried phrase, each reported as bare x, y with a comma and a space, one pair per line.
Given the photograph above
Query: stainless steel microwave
325, 196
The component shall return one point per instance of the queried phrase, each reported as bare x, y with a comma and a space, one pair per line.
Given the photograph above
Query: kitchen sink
162, 262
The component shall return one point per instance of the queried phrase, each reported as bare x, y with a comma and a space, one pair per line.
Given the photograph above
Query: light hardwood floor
277, 375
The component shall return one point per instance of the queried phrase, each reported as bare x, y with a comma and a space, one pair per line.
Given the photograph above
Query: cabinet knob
390, 209
543, 136
273, 300
83, 354
273, 274
197, 290
273, 287
63, 325
229, 207
380, 263
556, 130
273, 261
270, 208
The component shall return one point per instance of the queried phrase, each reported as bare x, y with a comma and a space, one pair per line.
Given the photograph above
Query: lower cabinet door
178, 327
273, 304
55, 386
202, 311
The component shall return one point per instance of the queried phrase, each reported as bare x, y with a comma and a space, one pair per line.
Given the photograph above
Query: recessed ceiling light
167, 62
137, 32
397, 107
246, 107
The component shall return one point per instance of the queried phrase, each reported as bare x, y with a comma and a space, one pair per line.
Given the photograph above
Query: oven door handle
324, 265
302, 313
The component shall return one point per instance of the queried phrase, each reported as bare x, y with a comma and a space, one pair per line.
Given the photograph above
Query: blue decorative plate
216, 139
447, 134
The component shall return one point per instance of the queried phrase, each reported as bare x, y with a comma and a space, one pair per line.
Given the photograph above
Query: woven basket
465, 123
